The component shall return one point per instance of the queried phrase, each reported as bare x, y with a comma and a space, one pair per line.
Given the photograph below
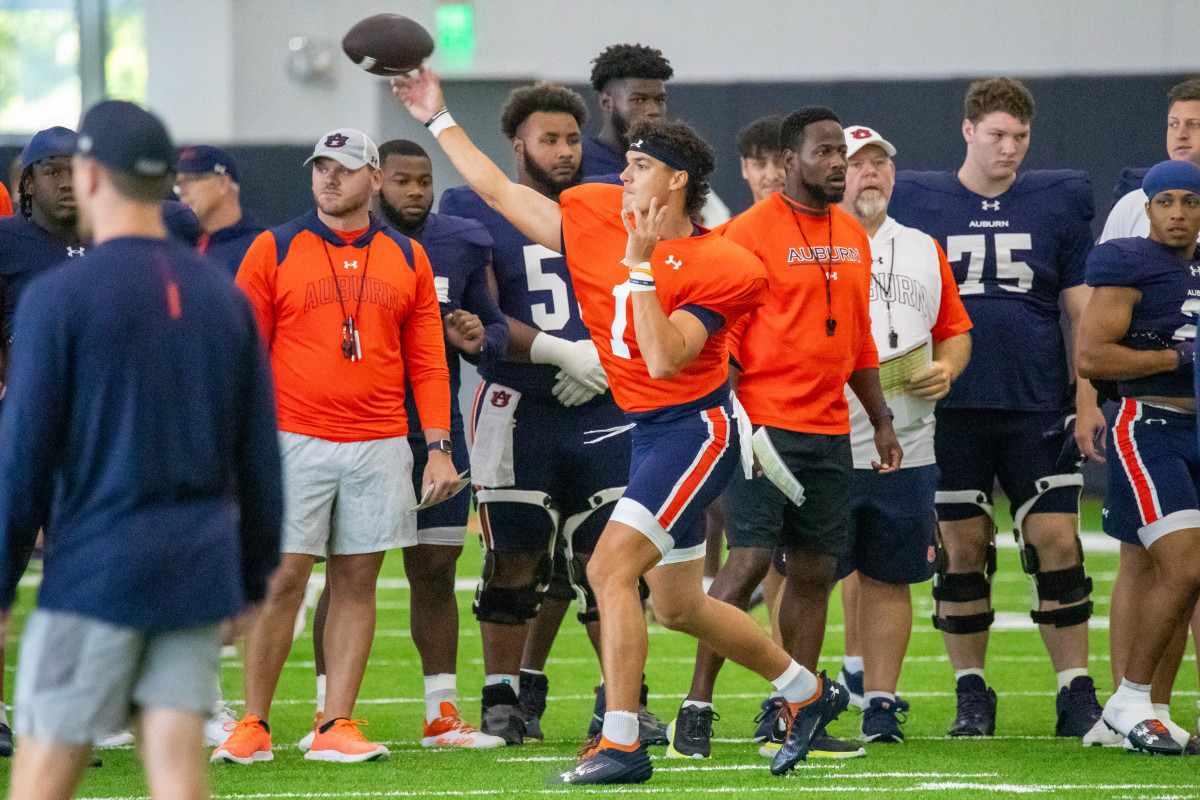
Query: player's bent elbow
662, 368
1089, 366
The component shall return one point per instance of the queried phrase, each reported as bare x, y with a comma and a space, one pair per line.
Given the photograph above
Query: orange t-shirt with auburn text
303, 280
793, 371
705, 271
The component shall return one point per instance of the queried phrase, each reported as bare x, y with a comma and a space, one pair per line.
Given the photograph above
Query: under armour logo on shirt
350, 265
673, 263
74, 251
991, 205
1195, 270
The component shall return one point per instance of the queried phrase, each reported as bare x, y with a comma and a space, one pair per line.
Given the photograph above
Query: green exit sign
456, 36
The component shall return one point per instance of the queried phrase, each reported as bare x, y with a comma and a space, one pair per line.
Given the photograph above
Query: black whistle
893, 339
347, 349
830, 326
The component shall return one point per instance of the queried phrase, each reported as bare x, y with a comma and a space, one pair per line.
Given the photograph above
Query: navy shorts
683, 456
761, 516
892, 526
1153, 472
975, 447
445, 523
570, 464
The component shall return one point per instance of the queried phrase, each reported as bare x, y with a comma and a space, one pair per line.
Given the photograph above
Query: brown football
387, 44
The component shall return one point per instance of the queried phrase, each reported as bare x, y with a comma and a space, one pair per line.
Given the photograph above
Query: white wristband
440, 122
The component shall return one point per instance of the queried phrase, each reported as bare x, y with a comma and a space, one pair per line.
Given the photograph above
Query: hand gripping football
387, 44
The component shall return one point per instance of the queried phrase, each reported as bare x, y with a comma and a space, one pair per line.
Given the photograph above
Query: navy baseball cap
196, 159
1167, 175
56, 141
125, 137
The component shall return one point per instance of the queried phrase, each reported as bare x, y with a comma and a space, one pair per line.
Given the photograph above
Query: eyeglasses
188, 178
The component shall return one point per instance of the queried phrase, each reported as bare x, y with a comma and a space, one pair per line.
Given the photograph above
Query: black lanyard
830, 322
351, 346
893, 337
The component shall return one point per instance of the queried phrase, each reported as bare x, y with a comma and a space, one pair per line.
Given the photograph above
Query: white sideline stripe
997, 788
1093, 542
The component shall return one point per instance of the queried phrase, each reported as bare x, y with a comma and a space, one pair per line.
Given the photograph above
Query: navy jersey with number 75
1012, 256
534, 287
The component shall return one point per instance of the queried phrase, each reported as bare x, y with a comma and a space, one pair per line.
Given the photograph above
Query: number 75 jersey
1012, 256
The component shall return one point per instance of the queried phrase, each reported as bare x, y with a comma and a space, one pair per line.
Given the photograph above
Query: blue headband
662, 150
1167, 175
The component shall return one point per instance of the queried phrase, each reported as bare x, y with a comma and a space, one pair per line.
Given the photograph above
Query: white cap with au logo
351, 148
859, 136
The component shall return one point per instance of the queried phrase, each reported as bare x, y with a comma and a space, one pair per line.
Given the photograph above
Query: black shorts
761, 516
975, 447
892, 526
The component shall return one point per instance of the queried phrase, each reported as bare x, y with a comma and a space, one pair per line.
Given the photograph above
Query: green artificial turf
1022, 759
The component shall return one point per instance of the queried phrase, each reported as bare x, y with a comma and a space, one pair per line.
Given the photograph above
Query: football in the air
387, 44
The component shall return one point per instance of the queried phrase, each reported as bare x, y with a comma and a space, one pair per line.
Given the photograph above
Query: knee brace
585, 598
963, 587
1070, 585
507, 605
560, 587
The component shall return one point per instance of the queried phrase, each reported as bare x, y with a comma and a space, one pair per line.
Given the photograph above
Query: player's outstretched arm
1105, 323
537, 216
668, 344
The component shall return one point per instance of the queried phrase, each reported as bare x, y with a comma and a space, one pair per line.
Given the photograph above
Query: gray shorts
79, 679
344, 498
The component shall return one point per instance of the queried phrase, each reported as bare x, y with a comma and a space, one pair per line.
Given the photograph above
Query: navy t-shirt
228, 246
139, 430
1166, 313
459, 251
535, 288
600, 159
1012, 256
26, 250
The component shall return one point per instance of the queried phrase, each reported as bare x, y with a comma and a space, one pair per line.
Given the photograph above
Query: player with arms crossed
1139, 330
1017, 243
546, 481
668, 374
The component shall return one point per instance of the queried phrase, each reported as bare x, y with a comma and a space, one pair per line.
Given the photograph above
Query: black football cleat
1077, 707
976, 708
500, 715
531, 703
806, 720
1151, 736
602, 766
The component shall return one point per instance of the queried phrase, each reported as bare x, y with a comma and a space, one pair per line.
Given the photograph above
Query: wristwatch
440, 444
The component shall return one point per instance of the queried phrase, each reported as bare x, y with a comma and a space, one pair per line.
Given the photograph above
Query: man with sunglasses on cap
350, 309
1139, 330
207, 182
663, 348
140, 432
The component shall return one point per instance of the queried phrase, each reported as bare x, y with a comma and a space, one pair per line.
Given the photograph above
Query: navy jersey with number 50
1012, 256
1169, 283
534, 286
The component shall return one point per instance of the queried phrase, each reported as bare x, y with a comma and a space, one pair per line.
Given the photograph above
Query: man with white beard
892, 522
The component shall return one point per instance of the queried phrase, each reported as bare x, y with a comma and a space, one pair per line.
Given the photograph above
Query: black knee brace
1070, 585
588, 612
559, 585
506, 606
962, 587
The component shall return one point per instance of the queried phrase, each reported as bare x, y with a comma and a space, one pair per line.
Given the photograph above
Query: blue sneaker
853, 681
771, 708
603, 765
805, 721
881, 722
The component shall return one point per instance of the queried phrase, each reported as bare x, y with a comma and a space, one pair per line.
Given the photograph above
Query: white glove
571, 392
579, 360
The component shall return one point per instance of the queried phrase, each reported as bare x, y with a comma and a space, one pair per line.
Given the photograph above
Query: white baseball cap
859, 136
351, 148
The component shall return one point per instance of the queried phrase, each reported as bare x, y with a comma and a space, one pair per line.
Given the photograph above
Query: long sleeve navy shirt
139, 429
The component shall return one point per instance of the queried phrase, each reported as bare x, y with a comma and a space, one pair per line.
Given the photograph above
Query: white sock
219, 703
707, 584
440, 688
1134, 690
852, 664
321, 693
1067, 675
621, 727
697, 704
1162, 712
959, 674
796, 684
511, 680
869, 696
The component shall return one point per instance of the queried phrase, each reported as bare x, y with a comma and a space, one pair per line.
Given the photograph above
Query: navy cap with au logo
125, 137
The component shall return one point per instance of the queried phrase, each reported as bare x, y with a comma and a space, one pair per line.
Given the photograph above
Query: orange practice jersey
6, 207
703, 270
294, 290
793, 373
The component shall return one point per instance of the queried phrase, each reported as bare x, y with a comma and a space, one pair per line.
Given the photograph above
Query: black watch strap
440, 444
